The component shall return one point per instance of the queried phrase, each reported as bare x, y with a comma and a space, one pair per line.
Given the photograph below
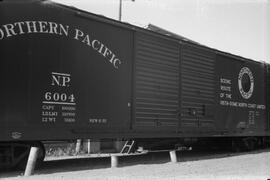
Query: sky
240, 27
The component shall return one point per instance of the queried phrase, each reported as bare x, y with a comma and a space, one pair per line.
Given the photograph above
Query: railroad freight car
69, 74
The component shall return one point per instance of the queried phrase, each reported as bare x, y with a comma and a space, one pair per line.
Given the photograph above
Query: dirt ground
253, 165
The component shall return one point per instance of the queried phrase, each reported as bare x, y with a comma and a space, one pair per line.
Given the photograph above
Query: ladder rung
127, 147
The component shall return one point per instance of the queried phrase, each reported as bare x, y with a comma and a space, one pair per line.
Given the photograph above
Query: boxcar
69, 74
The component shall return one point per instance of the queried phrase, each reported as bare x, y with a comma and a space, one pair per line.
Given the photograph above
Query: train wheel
261, 142
250, 143
236, 145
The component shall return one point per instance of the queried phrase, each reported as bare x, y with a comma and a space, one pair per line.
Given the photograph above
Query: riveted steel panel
156, 81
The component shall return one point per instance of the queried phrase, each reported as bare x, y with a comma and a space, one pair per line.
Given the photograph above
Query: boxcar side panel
241, 92
70, 76
267, 93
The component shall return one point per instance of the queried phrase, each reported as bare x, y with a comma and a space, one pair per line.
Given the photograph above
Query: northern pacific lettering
53, 28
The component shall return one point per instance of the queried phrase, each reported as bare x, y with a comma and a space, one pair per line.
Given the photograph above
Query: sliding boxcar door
156, 94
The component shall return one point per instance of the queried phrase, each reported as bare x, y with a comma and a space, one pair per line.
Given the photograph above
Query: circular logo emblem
245, 83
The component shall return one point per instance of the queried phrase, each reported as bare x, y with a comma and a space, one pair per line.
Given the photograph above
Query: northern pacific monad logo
245, 82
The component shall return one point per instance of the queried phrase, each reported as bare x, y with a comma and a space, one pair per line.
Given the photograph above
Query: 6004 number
62, 97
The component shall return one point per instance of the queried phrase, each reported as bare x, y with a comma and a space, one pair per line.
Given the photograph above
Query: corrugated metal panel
198, 87
156, 81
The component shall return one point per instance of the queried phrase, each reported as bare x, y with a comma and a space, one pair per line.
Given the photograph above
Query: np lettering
62, 80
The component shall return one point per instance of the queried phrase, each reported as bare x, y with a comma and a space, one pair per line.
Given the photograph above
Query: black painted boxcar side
69, 74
